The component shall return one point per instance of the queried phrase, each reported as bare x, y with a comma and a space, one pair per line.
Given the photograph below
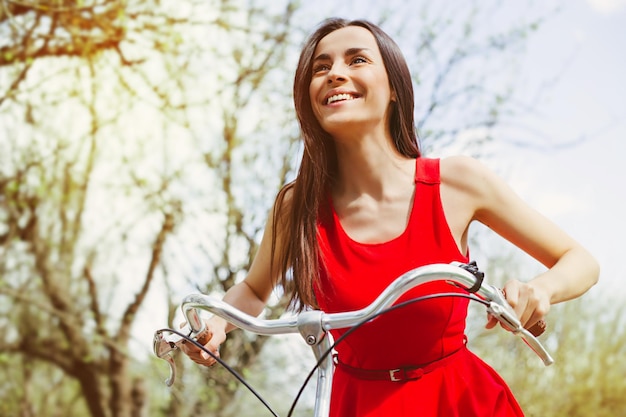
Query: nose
336, 74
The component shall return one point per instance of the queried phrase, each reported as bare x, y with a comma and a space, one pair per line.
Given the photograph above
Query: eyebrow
348, 52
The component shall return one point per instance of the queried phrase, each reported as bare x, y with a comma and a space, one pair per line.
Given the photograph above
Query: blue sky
581, 187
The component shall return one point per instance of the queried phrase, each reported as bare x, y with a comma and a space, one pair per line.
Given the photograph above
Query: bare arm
472, 192
250, 296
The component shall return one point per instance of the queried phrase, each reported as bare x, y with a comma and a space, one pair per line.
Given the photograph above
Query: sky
571, 159
573, 173
580, 186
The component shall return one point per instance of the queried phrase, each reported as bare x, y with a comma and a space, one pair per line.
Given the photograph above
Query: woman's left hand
530, 302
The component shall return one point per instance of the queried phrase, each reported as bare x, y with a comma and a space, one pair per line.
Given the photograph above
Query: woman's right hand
212, 337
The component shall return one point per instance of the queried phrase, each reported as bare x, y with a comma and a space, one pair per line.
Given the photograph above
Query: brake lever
163, 349
502, 311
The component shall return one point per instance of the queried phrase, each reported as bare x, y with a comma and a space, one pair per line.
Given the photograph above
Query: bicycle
314, 325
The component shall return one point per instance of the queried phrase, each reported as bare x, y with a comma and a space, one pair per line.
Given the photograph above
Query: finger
511, 293
520, 297
531, 314
189, 349
204, 337
524, 308
491, 322
201, 357
536, 309
207, 357
536, 318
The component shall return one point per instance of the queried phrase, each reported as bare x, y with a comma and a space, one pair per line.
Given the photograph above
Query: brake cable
325, 354
225, 365
366, 320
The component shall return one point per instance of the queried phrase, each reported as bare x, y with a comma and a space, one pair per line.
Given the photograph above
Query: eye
320, 68
359, 60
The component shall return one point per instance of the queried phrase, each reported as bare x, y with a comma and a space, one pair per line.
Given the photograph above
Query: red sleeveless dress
419, 335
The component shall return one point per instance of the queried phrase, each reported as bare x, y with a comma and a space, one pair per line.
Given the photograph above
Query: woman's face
349, 86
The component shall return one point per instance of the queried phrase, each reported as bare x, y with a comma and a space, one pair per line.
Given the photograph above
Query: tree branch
157, 249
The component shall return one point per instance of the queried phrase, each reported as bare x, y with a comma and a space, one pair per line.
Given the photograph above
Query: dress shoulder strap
427, 170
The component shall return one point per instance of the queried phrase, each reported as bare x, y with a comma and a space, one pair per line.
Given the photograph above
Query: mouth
340, 97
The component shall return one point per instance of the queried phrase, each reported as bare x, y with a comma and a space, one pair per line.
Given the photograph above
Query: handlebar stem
310, 326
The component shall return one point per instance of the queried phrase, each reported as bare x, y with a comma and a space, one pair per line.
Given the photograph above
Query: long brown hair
296, 221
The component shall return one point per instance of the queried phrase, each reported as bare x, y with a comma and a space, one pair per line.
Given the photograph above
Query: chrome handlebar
314, 325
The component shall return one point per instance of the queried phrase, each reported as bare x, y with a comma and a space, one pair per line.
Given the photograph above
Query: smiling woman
359, 96
366, 207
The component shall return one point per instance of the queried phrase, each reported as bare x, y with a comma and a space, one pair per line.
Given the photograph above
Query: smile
340, 97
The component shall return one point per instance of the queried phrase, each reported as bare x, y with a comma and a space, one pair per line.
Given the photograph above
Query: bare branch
157, 249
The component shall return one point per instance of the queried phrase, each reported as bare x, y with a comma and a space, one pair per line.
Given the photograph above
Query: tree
584, 336
68, 249
134, 161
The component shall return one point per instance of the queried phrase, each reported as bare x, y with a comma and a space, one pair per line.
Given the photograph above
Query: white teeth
339, 97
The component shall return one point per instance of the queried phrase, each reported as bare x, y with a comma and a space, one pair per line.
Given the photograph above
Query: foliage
104, 146
585, 337
142, 143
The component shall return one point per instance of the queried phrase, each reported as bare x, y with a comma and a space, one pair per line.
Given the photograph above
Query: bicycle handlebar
313, 325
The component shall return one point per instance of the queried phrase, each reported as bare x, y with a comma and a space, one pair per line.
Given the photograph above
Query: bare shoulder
460, 194
462, 171
474, 190
468, 179
471, 191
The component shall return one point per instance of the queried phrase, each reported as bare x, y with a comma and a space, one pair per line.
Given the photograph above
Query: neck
371, 165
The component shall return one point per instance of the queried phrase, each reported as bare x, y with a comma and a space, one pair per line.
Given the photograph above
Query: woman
367, 207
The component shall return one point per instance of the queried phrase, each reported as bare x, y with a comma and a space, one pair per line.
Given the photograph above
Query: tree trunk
120, 400
91, 388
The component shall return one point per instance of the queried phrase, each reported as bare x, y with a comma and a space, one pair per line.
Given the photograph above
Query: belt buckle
392, 375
